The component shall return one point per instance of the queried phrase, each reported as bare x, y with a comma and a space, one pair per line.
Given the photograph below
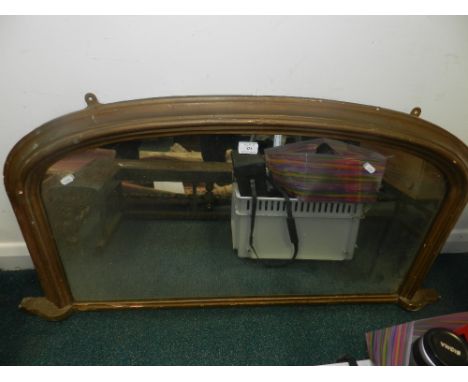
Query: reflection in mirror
191, 217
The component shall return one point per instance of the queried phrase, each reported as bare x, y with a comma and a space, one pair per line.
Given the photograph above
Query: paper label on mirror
248, 148
67, 179
369, 168
277, 140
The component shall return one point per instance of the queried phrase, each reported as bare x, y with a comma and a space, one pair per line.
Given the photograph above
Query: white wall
48, 63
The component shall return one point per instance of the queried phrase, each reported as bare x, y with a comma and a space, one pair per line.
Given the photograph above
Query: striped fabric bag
327, 170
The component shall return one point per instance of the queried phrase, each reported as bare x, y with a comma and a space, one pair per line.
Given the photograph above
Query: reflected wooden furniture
143, 203
413, 176
89, 208
85, 210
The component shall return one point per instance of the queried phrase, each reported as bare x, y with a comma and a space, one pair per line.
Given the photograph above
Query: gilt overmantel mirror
172, 202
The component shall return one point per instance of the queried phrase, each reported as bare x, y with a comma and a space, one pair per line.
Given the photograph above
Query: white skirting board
457, 241
363, 362
15, 256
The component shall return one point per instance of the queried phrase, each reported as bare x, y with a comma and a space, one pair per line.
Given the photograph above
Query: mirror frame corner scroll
28, 161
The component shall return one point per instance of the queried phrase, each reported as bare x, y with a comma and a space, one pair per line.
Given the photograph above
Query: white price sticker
67, 179
369, 168
247, 148
277, 140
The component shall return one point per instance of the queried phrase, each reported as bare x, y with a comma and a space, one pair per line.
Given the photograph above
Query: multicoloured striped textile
392, 346
347, 173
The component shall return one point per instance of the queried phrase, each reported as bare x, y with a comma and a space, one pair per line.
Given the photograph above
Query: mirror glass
171, 217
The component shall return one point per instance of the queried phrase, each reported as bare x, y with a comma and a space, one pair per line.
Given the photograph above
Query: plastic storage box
326, 230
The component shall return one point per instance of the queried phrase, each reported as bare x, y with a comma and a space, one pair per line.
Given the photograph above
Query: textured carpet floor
286, 335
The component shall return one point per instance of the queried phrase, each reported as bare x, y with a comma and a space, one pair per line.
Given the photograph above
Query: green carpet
284, 335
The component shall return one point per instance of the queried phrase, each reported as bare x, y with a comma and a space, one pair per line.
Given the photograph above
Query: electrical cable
291, 224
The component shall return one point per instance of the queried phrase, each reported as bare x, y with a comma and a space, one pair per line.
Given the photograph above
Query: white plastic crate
326, 230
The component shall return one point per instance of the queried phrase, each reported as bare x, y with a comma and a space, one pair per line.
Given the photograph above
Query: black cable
292, 230
347, 358
253, 213
290, 218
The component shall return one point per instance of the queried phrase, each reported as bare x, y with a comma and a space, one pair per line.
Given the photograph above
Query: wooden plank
174, 170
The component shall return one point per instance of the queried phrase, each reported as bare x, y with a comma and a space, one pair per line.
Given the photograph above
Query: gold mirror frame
138, 119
